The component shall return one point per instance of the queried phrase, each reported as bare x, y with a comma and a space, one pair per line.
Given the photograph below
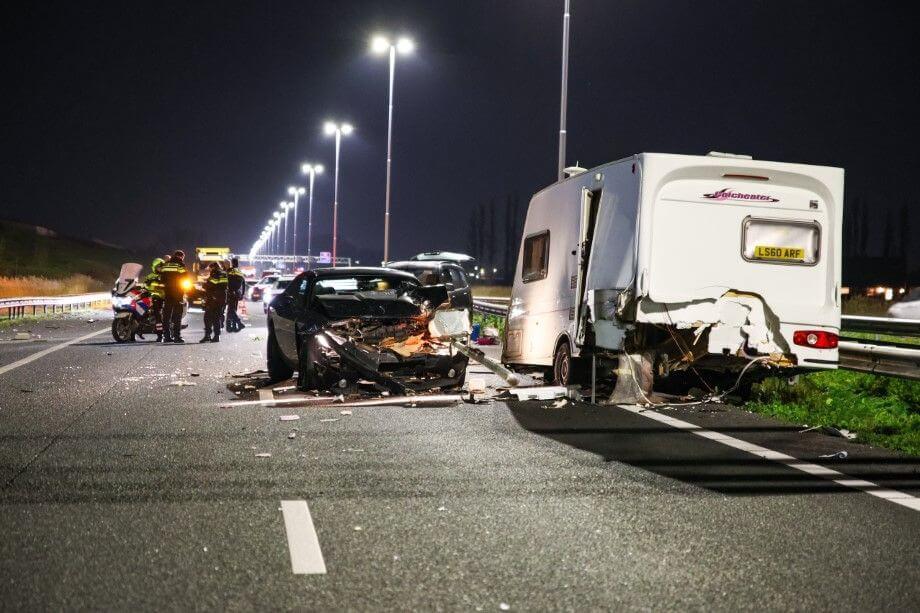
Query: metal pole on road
312, 170
297, 192
386, 216
565, 90
338, 130
404, 45
285, 206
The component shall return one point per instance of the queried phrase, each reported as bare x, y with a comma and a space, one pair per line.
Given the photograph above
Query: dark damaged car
339, 327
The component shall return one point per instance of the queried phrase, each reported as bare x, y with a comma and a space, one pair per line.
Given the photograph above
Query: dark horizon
134, 124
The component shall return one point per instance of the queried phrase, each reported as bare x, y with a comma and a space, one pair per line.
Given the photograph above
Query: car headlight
186, 284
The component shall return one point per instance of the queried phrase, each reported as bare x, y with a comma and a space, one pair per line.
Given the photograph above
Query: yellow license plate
786, 254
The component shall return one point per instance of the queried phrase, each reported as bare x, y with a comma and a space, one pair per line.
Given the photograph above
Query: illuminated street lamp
284, 215
297, 192
311, 170
380, 45
276, 233
339, 130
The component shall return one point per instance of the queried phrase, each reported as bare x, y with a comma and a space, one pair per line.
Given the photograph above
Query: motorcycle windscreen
129, 272
129, 276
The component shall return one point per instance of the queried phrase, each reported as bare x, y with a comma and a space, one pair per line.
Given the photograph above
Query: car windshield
283, 283
360, 284
267, 280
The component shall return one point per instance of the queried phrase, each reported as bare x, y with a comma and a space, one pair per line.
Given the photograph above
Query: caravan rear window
536, 254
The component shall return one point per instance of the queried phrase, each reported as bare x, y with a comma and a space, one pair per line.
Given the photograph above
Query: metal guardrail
490, 308
881, 325
18, 307
861, 356
894, 361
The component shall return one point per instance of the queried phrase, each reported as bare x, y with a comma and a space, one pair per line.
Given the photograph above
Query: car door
285, 310
461, 297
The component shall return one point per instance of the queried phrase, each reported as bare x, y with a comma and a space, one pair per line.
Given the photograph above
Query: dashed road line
44, 352
306, 556
902, 498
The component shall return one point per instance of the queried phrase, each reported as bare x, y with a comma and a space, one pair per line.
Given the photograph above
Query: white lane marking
902, 498
306, 557
44, 352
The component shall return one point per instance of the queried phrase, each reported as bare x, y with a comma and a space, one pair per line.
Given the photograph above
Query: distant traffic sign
325, 257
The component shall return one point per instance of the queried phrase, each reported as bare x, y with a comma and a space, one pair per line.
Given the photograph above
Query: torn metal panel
739, 324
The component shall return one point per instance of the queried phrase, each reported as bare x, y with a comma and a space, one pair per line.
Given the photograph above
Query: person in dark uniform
175, 284
215, 301
155, 286
236, 289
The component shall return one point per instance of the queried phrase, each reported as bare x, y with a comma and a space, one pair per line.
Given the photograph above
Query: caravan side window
536, 255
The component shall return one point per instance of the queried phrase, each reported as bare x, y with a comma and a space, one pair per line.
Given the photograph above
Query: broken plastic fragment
840, 455
345, 412
289, 418
292, 434
263, 455
330, 419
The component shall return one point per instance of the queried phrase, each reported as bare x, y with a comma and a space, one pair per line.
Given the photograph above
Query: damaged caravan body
692, 266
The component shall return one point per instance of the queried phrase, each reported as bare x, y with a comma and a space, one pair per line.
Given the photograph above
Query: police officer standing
215, 301
172, 274
236, 289
155, 286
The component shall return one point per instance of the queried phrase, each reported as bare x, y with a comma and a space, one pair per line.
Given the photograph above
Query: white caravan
694, 266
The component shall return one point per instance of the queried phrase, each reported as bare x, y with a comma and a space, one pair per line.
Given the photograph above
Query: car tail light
817, 339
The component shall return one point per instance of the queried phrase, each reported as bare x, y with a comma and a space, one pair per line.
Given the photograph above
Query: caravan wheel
562, 364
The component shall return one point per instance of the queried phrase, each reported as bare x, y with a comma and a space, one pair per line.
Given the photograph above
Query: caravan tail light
817, 339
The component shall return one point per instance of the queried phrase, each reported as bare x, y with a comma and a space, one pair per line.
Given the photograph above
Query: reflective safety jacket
236, 282
215, 289
154, 285
172, 273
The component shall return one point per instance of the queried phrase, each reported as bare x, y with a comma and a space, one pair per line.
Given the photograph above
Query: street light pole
312, 170
338, 130
565, 90
297, 192
404, 45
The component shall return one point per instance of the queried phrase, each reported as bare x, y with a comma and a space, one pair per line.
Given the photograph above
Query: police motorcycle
133, 306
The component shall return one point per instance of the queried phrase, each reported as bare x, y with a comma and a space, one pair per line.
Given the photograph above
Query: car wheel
278, 370
307, 378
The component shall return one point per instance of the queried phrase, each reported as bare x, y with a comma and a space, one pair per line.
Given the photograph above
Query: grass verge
882, 411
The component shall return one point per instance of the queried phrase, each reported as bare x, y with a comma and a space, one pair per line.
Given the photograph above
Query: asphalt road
121, 490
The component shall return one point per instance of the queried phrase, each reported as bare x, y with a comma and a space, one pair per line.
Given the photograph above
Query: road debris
327, 419
292, 434
560, 403
840, 455
476, 385
345, 412
182, 383
504, 606
263, 455
550, 392
22, 336
289, 418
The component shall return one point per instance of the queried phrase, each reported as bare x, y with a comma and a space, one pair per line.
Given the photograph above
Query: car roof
419, 265
344, 271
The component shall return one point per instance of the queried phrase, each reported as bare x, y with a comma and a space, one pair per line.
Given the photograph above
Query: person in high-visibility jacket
154, 285
175, 285
215, 301
236, 289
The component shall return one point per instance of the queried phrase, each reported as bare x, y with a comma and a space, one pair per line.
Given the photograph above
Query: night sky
134, 122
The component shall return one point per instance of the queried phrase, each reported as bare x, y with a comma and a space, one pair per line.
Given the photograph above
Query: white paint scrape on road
902, 498
44, 352
306, 556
